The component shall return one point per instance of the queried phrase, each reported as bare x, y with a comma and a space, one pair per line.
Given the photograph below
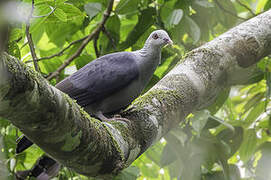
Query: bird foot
118, 117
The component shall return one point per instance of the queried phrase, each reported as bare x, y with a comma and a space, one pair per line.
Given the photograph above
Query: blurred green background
231, 139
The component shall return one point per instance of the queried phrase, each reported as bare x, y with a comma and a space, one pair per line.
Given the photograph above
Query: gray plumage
100, 79
113, 81
110, 82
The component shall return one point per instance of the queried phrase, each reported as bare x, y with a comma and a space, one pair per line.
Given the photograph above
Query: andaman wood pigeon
113, 81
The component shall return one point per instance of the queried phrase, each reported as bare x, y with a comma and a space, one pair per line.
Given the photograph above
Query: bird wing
101, 78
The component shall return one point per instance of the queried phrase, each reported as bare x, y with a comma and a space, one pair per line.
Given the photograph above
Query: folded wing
101, 78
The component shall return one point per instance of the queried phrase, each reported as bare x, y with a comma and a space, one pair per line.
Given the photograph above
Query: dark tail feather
45, 168
23, 144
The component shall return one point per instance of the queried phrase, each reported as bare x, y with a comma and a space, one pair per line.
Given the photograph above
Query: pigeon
111, 82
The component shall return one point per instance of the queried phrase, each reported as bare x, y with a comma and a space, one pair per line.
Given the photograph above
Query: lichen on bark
56, 123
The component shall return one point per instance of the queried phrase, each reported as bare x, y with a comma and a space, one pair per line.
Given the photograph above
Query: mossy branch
63, 130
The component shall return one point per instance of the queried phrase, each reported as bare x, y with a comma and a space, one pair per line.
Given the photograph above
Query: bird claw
118, 117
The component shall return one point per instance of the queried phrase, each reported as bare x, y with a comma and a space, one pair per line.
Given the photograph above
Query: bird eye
155, 36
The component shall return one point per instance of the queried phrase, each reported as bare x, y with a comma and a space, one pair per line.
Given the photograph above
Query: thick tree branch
85, 42
63, 130
30, 40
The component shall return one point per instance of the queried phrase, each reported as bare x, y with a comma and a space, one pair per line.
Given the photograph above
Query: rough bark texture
57, 124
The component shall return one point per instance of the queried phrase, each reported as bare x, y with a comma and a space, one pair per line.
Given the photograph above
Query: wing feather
101, 78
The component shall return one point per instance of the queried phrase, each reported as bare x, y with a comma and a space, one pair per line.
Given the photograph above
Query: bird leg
101, 116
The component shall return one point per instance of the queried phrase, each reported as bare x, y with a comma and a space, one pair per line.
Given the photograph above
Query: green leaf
221, 121
263, 165
15, 34
60, 1
166, 11
175, 17
199, 120
175, 169
147, 171
109, 43
4, 173
82, 60
74, 14
192, 29
168, 155
231, 138
218, 175
60, 14
211, 124
248, 146
254, 113
268, 85
260, 6
154, 153
58, 33
131, 173
145, 20
127, 6
38, 22
234, 174
220, 100
267, 5
228, 15
204, 3
4, 123
92, 9
251, 103
180, 135
14, 50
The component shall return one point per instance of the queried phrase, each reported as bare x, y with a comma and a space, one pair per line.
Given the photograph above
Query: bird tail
22, 144
44, 169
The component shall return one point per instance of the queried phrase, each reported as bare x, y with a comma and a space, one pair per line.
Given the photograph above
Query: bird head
159, 38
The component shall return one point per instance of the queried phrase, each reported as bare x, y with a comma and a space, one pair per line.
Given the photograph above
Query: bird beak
168, 41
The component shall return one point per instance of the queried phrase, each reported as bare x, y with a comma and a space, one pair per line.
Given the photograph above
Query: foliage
230, 140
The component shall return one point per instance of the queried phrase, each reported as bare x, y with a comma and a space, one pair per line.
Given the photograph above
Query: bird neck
150, 59
150, 50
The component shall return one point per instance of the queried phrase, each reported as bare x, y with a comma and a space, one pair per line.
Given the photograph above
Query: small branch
245, 6
109, 37
228, 11
60, 53
118, 143
85, 42
30, 40
95, 46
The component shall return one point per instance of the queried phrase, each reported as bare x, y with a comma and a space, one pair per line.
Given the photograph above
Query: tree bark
62, 129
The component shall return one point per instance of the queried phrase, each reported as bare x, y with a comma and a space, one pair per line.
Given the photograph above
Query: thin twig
30, 40
228, 11
84, 43
245, 6
95, 46
60, 52
109, 37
